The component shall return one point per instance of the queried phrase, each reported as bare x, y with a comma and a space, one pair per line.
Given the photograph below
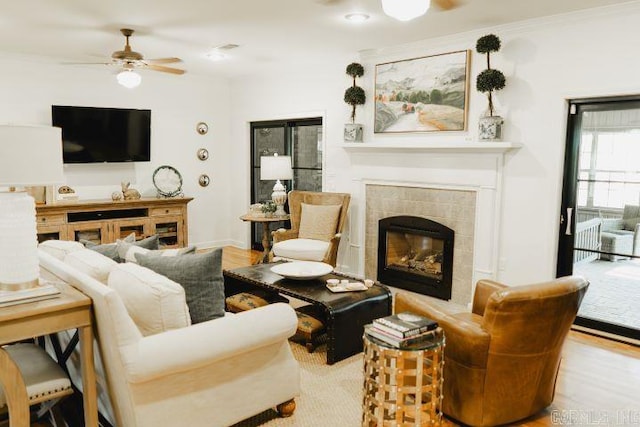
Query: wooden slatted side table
403, 387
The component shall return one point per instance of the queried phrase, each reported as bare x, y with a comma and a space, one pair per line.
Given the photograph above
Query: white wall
30, 86
546, 61
286, 96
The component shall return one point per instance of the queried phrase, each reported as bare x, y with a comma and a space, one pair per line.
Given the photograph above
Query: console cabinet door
51, 232
171, 231
93, 231
141, 226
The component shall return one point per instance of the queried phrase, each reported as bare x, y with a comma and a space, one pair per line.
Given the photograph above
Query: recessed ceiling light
356, 17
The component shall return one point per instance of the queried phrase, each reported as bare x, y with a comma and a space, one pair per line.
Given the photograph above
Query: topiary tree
354, 95
489, 80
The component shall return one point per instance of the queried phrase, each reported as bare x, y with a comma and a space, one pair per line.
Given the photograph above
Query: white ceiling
271, 33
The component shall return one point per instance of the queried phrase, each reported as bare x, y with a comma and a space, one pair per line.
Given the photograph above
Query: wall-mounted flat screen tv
98, 135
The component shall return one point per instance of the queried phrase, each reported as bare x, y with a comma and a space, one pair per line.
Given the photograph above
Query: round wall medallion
204, 180
203, 154
202, 128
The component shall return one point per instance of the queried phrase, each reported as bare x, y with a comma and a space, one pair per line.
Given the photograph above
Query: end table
266, 235
403, 387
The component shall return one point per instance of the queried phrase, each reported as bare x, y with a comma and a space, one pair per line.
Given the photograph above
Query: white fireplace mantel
421, 146
438, 165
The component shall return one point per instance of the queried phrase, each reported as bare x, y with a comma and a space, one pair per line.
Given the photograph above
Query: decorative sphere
116, 195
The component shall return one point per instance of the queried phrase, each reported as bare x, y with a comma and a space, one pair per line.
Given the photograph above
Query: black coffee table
345, 313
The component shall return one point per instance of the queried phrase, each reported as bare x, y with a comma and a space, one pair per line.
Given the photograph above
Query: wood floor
598, 383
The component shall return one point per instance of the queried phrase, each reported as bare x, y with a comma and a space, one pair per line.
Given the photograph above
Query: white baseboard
218, 244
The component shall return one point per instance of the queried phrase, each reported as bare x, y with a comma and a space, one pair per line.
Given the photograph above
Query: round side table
403, 387
266, 236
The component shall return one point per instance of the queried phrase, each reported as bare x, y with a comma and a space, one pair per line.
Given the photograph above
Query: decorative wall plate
204, 180
167, 181
202, 128
203, 154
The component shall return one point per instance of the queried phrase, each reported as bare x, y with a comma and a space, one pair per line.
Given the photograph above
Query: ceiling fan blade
165, 69
162, 60
446, 4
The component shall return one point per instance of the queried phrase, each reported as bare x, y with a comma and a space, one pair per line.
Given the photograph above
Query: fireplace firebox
416, 254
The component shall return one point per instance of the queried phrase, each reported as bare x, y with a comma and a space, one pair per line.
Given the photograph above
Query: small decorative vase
352, 132
490, 128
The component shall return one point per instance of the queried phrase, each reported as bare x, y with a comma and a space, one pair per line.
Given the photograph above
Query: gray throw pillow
201, 277
110, 250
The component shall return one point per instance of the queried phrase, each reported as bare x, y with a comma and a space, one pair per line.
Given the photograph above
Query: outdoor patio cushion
301, 249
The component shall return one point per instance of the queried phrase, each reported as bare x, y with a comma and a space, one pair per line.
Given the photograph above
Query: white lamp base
19, 264
279, 197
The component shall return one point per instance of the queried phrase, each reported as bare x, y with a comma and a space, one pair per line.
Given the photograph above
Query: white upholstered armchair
317, 220
214, 373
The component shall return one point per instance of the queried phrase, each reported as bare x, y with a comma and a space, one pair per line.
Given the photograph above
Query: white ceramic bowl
302, 270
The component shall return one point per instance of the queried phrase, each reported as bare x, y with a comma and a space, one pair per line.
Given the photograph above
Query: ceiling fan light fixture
129, 79
405, 10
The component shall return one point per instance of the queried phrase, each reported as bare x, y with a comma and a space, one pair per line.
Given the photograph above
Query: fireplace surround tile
451, 207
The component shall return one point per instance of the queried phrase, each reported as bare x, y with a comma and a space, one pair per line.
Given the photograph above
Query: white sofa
214, 373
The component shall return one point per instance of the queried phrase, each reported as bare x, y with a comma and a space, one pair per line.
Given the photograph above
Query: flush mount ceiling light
356, 17
129, 78
216, 55
405, 10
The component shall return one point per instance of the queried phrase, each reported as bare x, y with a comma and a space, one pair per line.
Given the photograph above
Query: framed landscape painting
428, 94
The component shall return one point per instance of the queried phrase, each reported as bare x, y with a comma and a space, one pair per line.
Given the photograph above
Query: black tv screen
97, 135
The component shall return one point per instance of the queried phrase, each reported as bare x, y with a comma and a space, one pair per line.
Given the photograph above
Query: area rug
331, 394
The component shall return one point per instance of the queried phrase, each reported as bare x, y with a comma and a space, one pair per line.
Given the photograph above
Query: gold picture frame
425, 94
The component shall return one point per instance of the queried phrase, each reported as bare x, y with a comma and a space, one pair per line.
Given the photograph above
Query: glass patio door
301, 139
600, 218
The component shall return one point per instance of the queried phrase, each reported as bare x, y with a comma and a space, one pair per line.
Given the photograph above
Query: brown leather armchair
311, 249
502, 359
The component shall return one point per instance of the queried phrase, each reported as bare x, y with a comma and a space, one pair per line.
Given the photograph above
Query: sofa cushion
301, 249
60, 248
318, 222
92, 263
111, 249
127, 251
155, 303
201, 277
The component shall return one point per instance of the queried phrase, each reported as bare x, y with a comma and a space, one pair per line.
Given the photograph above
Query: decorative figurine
116, 195
129, 193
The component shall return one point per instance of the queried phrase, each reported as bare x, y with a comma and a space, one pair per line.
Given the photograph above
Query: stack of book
44, 291
403, 330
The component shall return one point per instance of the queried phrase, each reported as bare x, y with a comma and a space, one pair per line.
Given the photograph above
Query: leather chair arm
466, 342
484, 289
281, 234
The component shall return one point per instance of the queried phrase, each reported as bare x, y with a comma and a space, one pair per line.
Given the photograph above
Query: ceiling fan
129, 60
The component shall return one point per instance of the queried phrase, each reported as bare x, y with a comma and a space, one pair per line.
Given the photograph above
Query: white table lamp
29, 155
277, 167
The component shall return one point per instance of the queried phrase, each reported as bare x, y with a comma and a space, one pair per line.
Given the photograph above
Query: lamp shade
405, 10
275, 167
30, 155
